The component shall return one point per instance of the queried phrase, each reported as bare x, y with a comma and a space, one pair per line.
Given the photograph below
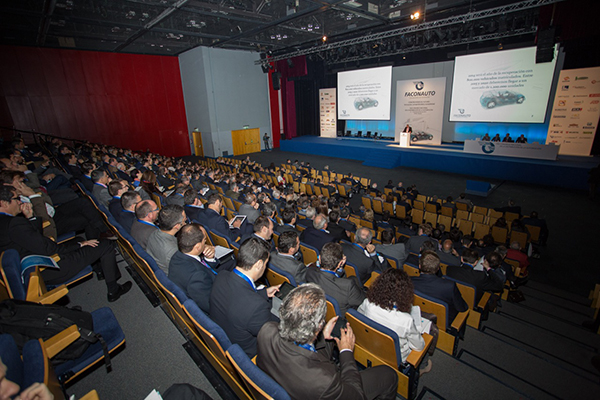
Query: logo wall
576, 102
420, 104
328, 114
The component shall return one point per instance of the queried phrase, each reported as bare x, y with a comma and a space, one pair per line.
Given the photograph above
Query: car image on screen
495, 98
419, 135
365, 102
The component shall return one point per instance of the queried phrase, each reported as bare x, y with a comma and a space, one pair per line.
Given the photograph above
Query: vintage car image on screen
492, 99
365, 102
420, 135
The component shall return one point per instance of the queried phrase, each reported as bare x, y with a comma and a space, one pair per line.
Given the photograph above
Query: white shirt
400, 322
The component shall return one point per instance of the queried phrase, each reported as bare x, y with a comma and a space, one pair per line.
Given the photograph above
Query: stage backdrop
420, 104
576, 111
327, 111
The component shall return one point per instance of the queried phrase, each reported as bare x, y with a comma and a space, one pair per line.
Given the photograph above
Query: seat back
375, 339
333, 308
11, 274
260, 385
377, 206
510, 216
411, 270
309, 253
447, 211
445, 220
461, 206
499, 234
389, 207
431, 217
481, 230
366, 202
218, 239
400, 211
534, 231
275, 276
462, 214
417, 216
419, 205
429, 207
477, 218
466, 227
521, 237
480, 210
228, 203
433, 306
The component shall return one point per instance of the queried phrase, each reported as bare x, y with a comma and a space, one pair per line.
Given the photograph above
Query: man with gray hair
363, 255
294, 353
317, 235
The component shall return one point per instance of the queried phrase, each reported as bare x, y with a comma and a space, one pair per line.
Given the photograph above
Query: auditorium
215, 199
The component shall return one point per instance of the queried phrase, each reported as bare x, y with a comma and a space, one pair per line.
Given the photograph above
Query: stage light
324, 38
415, 16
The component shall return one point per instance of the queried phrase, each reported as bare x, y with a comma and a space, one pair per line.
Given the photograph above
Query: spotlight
324, 38
415, 15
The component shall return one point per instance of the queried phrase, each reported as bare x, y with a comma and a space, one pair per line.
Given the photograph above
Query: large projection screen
503, 86
365, 94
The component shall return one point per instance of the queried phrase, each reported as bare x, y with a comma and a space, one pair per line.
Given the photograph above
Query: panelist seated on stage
486, 137
521, 139
508, 139
497, 138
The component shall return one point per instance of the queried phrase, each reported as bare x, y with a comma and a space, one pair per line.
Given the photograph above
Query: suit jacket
101, 194
216, 222
161, 246
239, 309
480, 279
441, 289
87, 183
193, 278
194, 213
141, 232
286, 228
176, 198
250, 212
337, 231
126, 219
316, 237
396, 250
346, 290
305, 374
415, 242
365, 265
115, 207
290, 265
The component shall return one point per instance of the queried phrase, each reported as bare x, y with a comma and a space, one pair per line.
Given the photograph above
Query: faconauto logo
488, 148
419, 85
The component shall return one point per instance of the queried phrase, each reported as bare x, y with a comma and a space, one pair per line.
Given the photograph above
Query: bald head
447, 246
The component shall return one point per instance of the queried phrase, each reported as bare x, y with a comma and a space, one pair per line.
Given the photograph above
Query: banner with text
328, 112
420, 104
575, 111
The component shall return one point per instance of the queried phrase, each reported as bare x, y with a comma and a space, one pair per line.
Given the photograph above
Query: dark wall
131, 101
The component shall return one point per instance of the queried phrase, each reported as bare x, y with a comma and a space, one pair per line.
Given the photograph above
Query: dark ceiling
281, 27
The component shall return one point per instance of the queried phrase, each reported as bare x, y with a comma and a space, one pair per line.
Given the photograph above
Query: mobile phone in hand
337, 329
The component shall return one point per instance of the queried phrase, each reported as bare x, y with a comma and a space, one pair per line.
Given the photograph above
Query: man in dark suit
24, 234
214, 221
330, 276
288, 216
263, 230
432, 285
100, 189
363, 255
193, 206
295, 355
116, 189
338, 232
146, 213
344, 222
127, 216
390, 248
283, 258
415, 243
317, 235
491, 279
192, 268
236, 304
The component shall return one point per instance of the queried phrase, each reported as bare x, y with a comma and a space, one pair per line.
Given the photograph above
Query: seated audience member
363, 255
177, 196
214, 221
415, 243
385, 222
522, 139
146, 212
283, 258
488, 280
434, 286
194, 210
330, 276
162, 243
317, 235
338, 232
515, 253
8, 388
192, 267
295, 355
116, 189
127, 216
344, 222
236, 304
534, 220
269, 210
390, 302
250, 208
462, 198
24, 234
369, 215
100, 190
448, 255
263, 230
390, 248
288, 216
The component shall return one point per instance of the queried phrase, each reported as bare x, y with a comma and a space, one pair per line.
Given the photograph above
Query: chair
392, 261
218, 239
366, 202
400, 211
469, 294
431, 218
534, 231
236, 204
374, 275
325, 191
309, 253
417, 216
419, 205
159, 199
480, 210
350, 270
276, 236
333, 308
411, 270
521, 237
447, 211
260, 385
476, 218
481, 230
462, 214
389, 207
450, 331
465, 226
430, 208
317, 190
499, 234
510, 216
379, 345
377, 206
228, 202
342, 190
275, 276
461, 206
445, 220
33, 289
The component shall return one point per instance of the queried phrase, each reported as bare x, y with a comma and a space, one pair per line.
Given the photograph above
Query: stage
567, 171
